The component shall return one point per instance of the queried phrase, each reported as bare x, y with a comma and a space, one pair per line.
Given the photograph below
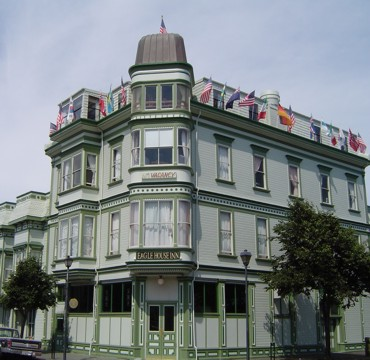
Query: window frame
352, 194
114, 233
226, 246
158, 153
150, 103
225, 143
72, 228
294, 162
116, 165
325, 187
261, 153
183, 150
262, 255
89, 168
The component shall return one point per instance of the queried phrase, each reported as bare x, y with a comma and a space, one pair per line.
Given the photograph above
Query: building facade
155, 201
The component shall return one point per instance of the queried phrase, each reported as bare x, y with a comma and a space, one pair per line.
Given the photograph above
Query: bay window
68, 237
135, 148
183, 223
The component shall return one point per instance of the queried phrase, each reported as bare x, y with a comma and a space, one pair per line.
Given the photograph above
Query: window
325, 184
183, 147
150, 97
166, 96
68, 237
205, 297
218, 100
262, 246
352, 195
226, 235
8, 267
223, 160
84, 295
158, 146
183, 95
93, 108
158, 223
135, 148
325, 188
294, 180
91, 170
72, 172
183, 223
259, 167
235, 298
114, 233
117, 297
136, 98
294, 175
116, 163
134, 224
88, 236
259, 171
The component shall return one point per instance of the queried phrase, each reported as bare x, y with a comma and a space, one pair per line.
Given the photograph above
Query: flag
284, 117
353, 143
342, 140
162, 28
333, 139
292, 119
312, 129
123, 94
102, 105
327, 128
233, 97
361, 144
204, 96
71, 112
262, 113
53, 129
110, 104
59, 118
248, 100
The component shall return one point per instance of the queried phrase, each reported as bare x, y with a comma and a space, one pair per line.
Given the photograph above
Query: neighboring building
155, 201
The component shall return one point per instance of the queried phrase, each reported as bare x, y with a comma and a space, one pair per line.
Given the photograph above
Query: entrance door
161, 341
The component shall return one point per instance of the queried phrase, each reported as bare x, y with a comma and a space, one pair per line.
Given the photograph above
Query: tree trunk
326, 316
23, 322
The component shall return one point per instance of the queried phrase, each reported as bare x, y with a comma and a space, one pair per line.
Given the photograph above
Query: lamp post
246, 257
68, 263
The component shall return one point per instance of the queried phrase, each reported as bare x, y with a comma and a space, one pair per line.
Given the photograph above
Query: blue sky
316, 53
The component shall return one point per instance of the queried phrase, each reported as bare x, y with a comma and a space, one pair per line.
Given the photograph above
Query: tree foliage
28, 288
318, 254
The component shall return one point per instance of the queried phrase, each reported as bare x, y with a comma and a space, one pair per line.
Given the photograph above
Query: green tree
318, 254
28, 288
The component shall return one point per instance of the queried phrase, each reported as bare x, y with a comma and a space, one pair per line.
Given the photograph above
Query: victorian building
155, 201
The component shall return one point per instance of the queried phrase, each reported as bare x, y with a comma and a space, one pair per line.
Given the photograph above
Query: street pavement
93, 356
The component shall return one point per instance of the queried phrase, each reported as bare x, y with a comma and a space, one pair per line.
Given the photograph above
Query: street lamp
246, 257
68, 263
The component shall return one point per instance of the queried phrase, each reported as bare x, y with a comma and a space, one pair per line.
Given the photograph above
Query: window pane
150, 97
262, 237
223, 163
91, 170
135, 147
211, 297
169, 318
77, 170
166, 96
136, 98
134, 224
183, 226
154, 318
88, 236
182, 97
225, 232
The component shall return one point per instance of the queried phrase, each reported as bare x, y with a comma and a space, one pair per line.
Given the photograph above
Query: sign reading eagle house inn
158, 255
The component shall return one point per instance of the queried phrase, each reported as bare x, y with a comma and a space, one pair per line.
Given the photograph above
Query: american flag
292, 119
206, 93
59, 118
123, 92
353, 142
53, 129
248, 100
163, 29
361, 144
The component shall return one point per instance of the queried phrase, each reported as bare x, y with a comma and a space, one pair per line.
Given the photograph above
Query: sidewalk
93, 356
